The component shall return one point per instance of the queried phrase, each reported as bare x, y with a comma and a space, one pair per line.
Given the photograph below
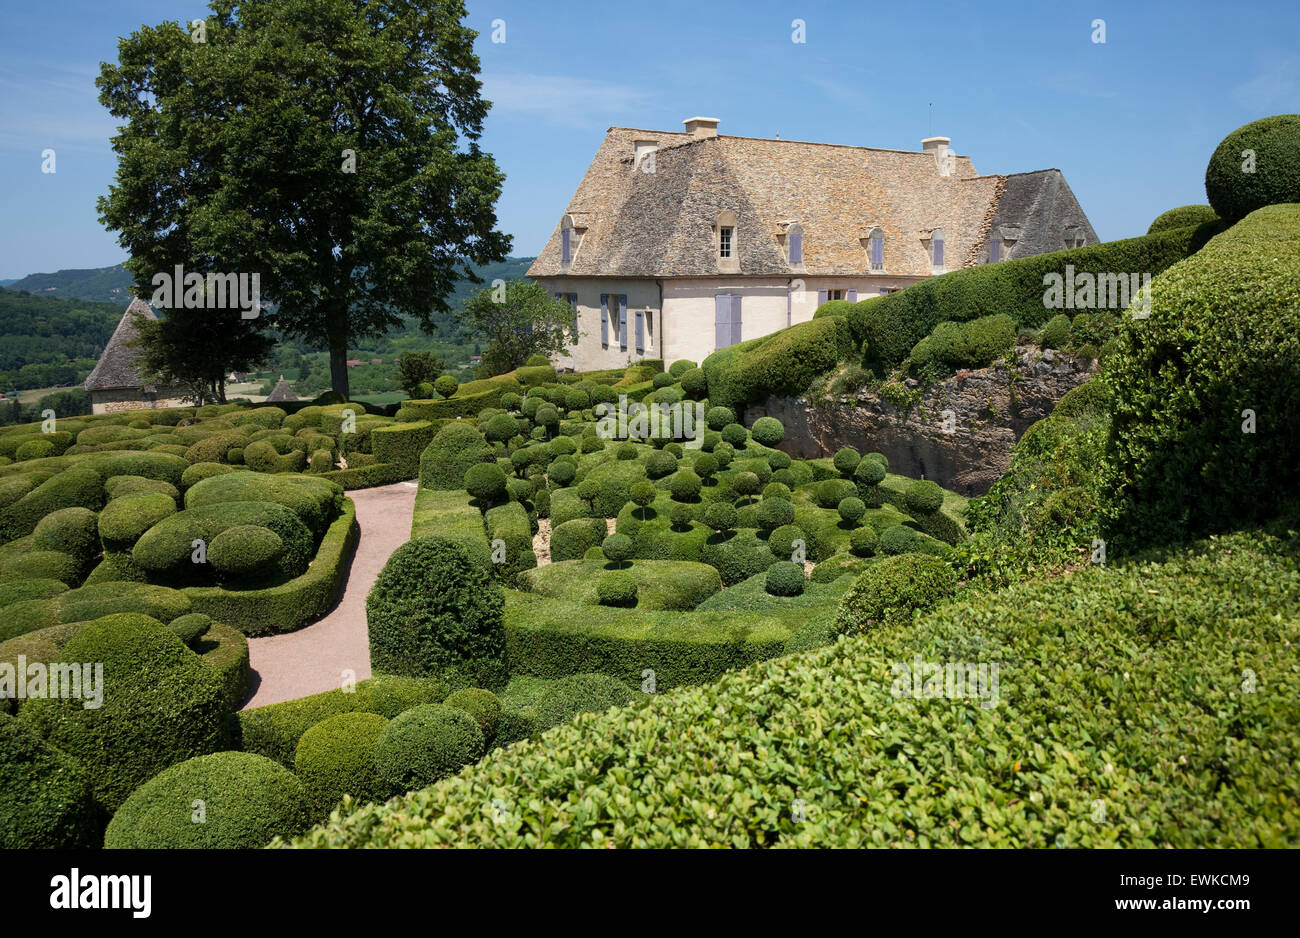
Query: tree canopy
328, 146
519, 319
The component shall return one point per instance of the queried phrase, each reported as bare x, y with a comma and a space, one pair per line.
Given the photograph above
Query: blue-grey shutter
640, 331
622, 321
877, 253
604, 319
735, 318
721, 320
851, 296
789, 306
995, 251
884, 290
564, 245
821, 297
796, 248
938, 252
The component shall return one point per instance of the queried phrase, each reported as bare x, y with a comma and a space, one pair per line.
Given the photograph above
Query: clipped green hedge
401, 444
1182, 217
661, 584
295, 603
1095, 671
453, 450
126, 517
225, 650
784, 362
244, 801
160, 705
315, 501
336, 757
1272, 177
426, 743
1182, 455
45, 801
275, 729
892, 324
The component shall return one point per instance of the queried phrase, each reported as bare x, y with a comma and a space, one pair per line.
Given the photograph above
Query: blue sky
1017, 86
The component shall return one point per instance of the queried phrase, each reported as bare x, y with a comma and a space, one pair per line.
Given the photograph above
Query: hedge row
784, 362
454, 516
891, 325
1094, 671
291, 605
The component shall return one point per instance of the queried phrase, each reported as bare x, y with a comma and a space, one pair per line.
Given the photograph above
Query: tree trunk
337, 331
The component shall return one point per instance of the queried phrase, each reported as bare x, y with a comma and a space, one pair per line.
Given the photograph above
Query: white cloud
558, 99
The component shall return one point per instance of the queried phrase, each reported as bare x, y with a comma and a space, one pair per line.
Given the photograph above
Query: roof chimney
938, 148
701, 127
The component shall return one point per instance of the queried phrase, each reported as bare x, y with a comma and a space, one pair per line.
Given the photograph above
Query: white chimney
701, 127
938, 148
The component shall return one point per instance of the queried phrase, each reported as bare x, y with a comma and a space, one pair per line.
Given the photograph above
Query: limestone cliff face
958, 432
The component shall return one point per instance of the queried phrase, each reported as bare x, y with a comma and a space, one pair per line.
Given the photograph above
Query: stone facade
117, 400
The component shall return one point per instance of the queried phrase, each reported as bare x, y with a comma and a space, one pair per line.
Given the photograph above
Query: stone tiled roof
281, 392
661, 224
1041, 206
119, 365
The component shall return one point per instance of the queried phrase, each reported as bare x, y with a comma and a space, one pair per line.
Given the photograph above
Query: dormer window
566, 254
794, 245
877, 241
936, 250
570, 239
1074, 237
725, 244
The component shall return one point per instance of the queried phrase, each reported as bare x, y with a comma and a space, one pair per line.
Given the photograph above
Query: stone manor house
677, 244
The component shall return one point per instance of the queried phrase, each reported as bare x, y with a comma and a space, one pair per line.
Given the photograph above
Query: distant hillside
48, 342
99, 284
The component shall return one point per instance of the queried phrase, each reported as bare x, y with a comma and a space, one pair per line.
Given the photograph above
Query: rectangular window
938, 252
877, 253
724, 242
796, 248
564, 245
995, 251
833, 295
727, 324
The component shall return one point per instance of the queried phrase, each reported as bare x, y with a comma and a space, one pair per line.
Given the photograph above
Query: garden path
320, 657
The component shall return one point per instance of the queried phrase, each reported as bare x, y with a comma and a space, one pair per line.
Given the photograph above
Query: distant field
35, 394
385, 397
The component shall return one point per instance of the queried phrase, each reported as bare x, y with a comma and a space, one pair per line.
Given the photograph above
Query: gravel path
314, 659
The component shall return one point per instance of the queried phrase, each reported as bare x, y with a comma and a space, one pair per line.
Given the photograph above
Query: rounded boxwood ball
483, 705
680, 367
336, 757
768, 431
694, 384
900, 539
779, 460
662, 380
244, 549
588, 489
426, 743
852, 509
625, 451
432, 608
785, 578
642, 493
616, 588
781, 542
846, 460
864, 541
446, 385
736, 435
685, 485
501, 428
718, 417
923, 497
681, 515
659, 464
869, 472
562, 472
720, 516
72, 531
746, 483
706, 464
774, 513
562, 446
225, 801
1183, 217
776, 490
1233, 191
38, 448
724, 453
617, 548
486, 481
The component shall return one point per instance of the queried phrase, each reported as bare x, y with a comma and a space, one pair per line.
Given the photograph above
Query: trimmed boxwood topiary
433, 608
336, 757
562, 472
454, 449
205, 470
616, 588
483, 705
694, 384
190, 627
486, 482
1056, 334
782, 541
852, 509
718, 417
71, 531
774, 513
660, 464
246, 801
244, 549
45, 801
864, 541
720, 516
736, 435
830, 492
501, 428
685, 485
785, 578
126, 517
777, 490
767, 431
846, 460
1183, 217
161, 705
446, 386
779, 460
923, 497
892, 590
705, 466
681, 516
43, 565
617, 548
427, 743
37, 448
572, 539
1273, 176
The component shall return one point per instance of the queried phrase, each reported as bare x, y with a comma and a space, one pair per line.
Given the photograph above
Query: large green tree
329, 146
519, 319
196, 348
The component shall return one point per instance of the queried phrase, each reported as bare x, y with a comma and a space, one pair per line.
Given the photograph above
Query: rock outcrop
958, 432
